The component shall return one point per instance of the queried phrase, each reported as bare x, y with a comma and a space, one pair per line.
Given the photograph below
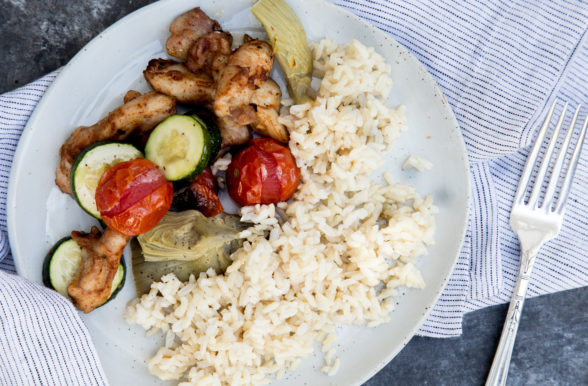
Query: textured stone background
37, 37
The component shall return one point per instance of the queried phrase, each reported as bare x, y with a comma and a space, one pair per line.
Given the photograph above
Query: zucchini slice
180, 146
89, 166
206, 119
62, 263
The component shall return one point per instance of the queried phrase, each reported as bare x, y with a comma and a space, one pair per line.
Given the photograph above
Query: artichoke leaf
288, 39
211, 241
189, 235
147, 272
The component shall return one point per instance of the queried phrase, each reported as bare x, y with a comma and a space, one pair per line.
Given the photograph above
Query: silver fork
536, 221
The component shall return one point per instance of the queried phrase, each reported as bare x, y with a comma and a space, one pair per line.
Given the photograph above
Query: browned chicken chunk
235, 82
186, 29
101, 255
173, 78
137, 116
130, 95
267, 102
232, 133
210, 53
247, 70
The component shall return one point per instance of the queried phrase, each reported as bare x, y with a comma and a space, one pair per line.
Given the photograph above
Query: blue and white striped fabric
42, 339
499, 64
15, 109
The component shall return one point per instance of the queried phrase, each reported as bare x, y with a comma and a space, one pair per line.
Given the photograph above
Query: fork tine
534, 198
561, 156
567, 183
531, 159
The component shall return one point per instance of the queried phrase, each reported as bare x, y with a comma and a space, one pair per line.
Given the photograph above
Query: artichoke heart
288, 39
189, 235
184, 243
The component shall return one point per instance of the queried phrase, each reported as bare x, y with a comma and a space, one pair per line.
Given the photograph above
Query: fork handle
499, 369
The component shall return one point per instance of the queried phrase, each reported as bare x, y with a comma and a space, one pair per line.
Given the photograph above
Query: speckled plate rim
21, 158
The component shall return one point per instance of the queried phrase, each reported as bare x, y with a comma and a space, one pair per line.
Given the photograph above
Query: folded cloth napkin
500, 65
42, 338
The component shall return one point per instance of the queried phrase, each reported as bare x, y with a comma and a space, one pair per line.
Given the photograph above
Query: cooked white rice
419, 163
219, 167
344, 235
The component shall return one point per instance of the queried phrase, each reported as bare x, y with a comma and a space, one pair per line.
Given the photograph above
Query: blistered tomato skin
204, 191
263, 173
289, 173
133, 196
244, 178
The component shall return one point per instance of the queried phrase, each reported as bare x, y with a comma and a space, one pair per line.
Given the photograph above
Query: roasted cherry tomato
133, 196
265, 172
205, 194
201, 194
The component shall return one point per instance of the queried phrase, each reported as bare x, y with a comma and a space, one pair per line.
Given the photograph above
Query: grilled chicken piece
173, 78
186, 29
130, 95
135, 117
267, 101
247, 70
210, 53
232, 133
101, 255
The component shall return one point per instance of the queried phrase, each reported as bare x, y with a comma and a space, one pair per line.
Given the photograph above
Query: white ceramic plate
93, 84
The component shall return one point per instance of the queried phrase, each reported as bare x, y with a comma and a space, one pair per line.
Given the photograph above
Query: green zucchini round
119, 277
180, 146
61, 265
89, 166
215, 137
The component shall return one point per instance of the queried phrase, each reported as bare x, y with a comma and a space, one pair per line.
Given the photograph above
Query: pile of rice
343, 249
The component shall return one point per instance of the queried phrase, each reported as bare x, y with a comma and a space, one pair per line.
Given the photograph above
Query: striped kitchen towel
15, 109
42, 338
499, 64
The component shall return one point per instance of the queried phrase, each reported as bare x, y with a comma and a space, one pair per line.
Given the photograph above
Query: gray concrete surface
37, 37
